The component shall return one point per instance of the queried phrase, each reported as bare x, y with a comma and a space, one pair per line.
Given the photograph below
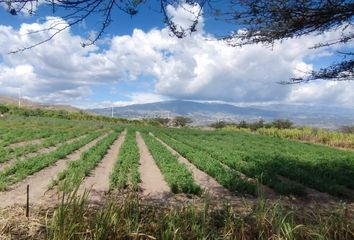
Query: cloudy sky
138, 61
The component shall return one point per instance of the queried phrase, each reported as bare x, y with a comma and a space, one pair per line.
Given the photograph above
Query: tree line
278, 123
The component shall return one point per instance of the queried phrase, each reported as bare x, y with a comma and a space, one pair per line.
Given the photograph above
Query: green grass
127, 164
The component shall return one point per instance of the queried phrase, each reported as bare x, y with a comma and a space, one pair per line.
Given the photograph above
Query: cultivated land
99, 180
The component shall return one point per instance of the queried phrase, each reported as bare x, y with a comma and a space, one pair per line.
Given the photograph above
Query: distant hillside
205, 113
14, 101
27, 103
202, 113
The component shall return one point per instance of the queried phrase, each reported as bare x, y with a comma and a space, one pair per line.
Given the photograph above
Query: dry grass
127, 216
15, 225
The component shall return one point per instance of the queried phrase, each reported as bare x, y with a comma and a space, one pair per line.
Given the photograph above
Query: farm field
149, 182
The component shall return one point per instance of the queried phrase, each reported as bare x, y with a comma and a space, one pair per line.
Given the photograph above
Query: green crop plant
227, 177
8, 153
265, 158
79, 169
22, 168
176, 174
127, 165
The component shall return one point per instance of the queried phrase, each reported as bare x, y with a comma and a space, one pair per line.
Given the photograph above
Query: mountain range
205, 113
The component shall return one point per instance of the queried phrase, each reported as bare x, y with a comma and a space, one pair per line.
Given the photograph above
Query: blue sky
130, 65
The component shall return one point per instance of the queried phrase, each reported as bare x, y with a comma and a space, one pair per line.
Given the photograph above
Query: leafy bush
180, 121
4, 109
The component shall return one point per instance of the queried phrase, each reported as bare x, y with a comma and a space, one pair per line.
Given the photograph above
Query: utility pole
19, 97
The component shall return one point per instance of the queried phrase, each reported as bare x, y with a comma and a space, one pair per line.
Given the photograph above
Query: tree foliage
219, 124
268, 21
4, 109
277, 124
162, 121
181, 121
255, 21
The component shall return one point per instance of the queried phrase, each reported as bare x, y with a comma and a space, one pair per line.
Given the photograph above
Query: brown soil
39, 181
152, 184
98, 181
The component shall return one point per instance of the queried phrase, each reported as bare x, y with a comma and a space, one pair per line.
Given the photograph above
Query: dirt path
39, 181
39, 152
152, 182
98, 181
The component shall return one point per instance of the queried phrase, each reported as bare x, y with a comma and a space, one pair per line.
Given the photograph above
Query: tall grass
321, 136
132, 219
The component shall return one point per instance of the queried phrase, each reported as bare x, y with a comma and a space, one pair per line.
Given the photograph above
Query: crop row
227, 177
320, 167
231, 158
22, 168
77, 170
176, 174
19, 135
127, 164
56, 139
14, 129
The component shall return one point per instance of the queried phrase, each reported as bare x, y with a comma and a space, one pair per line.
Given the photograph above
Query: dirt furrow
152, 182
39, 181
98, 181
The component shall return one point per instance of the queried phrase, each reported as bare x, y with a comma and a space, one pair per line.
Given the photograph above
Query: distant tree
347, 129
4, 109
181, 121
282, 124
256, 125
242, 124
162, 121
219, 124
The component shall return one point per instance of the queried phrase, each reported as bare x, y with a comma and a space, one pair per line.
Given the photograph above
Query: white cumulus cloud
196, 67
